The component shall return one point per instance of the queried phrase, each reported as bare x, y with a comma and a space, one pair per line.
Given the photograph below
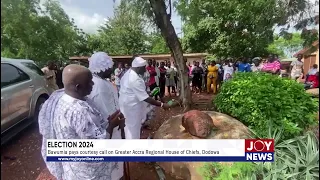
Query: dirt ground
21, 158
28, 163
146, 171
143, 171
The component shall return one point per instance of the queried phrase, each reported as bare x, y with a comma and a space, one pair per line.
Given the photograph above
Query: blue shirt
244, 67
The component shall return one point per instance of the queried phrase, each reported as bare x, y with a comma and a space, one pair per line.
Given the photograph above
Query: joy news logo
259, 150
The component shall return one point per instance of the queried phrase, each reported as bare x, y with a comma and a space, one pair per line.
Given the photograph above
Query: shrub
296, 158
236, 171
259, 100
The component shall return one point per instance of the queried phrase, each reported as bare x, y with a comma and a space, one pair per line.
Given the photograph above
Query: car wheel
38, 107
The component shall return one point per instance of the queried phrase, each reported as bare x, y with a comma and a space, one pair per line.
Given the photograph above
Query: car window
33, 67
11, 75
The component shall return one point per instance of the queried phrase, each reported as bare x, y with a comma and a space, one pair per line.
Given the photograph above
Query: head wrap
138, 62
99, 62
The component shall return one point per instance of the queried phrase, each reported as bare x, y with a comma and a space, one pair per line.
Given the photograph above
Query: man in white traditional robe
68, 114
104, 94
134, 98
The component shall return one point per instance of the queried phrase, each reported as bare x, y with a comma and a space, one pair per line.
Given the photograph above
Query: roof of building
143, 56
305, 50
288, 59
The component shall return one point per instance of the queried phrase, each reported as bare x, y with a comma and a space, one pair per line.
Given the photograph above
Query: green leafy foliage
244, 28
157, 44
260, 100
42, 31
228, 27
286, 47
38, 31
309, 37
295, 158
299, 15
159, 12
124, 33
219, 171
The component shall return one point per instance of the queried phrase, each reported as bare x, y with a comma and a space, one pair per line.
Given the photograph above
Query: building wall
189, 59
309, 59
129, 60
308, 62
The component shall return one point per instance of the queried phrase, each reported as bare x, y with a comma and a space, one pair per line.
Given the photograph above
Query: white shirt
312, 71
296, 67
158, 75
255, 68
105, 98
133, 88
117, 74
131, 102
171, 72
146, 78
227, 70
64, 117
174, 68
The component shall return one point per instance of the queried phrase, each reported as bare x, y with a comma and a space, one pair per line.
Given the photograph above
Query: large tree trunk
167, 30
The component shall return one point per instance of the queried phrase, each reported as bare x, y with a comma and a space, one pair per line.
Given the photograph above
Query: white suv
23, 92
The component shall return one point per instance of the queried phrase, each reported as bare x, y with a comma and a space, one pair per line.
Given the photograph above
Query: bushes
296, 158
236, 171
260, 100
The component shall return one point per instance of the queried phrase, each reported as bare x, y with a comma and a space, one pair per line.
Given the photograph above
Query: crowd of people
162, 75
209, 75
90, 107
204, 75
87, 104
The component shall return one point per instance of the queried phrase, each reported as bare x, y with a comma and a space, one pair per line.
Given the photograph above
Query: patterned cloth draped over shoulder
64, 117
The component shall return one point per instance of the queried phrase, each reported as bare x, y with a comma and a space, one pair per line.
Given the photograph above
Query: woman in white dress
297, 68
105, 96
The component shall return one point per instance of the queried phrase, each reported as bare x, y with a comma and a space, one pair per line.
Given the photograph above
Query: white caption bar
146, 147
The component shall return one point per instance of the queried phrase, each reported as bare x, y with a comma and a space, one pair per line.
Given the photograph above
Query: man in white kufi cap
134, 98
104, 96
